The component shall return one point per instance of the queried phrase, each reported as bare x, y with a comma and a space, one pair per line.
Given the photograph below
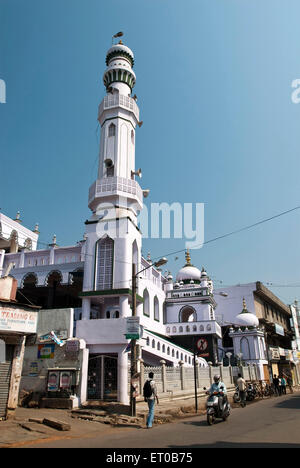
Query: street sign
132, 328
202, 344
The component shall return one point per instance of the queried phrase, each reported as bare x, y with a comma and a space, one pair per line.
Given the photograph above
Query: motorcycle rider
219, 387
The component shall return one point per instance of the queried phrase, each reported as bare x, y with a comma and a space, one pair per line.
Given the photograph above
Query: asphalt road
270, 423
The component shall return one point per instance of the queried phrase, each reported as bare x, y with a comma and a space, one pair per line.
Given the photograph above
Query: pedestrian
290, 383
283, 385
150, 396
242, 389
276, 385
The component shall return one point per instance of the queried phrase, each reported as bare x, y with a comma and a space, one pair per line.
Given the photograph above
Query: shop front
17, 321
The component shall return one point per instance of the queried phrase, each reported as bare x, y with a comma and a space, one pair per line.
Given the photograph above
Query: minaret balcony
119, 100
110, 186
206, 327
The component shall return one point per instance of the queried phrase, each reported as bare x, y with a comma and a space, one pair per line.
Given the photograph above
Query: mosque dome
120, 50
246, 318
188, 272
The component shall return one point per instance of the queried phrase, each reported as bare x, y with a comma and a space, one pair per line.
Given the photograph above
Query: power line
236, 231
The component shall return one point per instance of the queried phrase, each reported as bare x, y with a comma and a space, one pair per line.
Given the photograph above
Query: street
267, 423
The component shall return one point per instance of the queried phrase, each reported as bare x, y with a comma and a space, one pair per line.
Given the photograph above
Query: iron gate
103, 377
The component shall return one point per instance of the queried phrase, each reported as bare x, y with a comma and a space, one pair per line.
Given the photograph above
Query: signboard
279, 329
33, 369
132, 328
202, 346
18, 320
46, 351
58, 334
72, 349
274, 354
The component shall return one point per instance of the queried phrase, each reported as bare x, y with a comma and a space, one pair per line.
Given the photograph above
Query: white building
94, 277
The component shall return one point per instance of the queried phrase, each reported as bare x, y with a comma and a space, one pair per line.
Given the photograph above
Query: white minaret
113, 238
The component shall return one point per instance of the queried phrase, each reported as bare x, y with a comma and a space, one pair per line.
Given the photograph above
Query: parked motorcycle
237, 397
213, 409
251, 392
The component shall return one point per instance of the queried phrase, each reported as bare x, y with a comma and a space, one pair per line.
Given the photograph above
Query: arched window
174, 329
187, 314
201, 328
194, 328
173, 353
104, 263
245, 348
148, 341
107, 314
187, 329
116, 314
156, 309
146, 303
168, 329
180, 329
168, 350
163, 348
112, 130
153, 343
158, 346
177, 355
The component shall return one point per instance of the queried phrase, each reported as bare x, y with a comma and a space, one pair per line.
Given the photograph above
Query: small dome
119, 50
246, 318
188, 273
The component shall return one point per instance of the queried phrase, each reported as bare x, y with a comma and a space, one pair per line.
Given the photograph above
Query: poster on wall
46, 351
65, 379
53, 381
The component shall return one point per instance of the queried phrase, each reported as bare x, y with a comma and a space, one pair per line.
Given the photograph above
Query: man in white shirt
242, 389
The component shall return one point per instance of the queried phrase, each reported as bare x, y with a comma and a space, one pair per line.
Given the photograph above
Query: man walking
150, 396
283, 385
242, 389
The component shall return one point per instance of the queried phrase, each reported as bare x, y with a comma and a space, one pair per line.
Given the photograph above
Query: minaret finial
188, 257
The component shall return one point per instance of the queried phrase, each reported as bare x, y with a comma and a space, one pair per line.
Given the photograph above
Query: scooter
213, 410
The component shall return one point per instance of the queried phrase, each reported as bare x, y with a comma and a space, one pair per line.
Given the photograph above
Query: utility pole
133, 347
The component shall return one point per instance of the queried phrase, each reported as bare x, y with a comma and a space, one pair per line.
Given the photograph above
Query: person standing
276, 384
283, 385
150, 396
242, 389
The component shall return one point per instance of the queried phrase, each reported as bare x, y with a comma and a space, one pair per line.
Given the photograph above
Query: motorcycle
237, 397
251, 392
213, 410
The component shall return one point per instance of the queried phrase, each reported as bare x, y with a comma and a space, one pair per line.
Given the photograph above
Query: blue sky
214, 90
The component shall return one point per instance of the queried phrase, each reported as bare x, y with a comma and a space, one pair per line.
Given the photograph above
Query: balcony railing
115, 184
209, 327
119, 100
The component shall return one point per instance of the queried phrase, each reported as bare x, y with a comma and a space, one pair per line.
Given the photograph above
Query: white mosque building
94, 277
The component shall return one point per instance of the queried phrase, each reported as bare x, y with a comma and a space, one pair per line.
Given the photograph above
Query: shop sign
279, 329
46, 351
18, 320
274, 354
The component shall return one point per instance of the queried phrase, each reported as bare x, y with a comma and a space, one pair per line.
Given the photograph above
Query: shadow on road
292, 403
